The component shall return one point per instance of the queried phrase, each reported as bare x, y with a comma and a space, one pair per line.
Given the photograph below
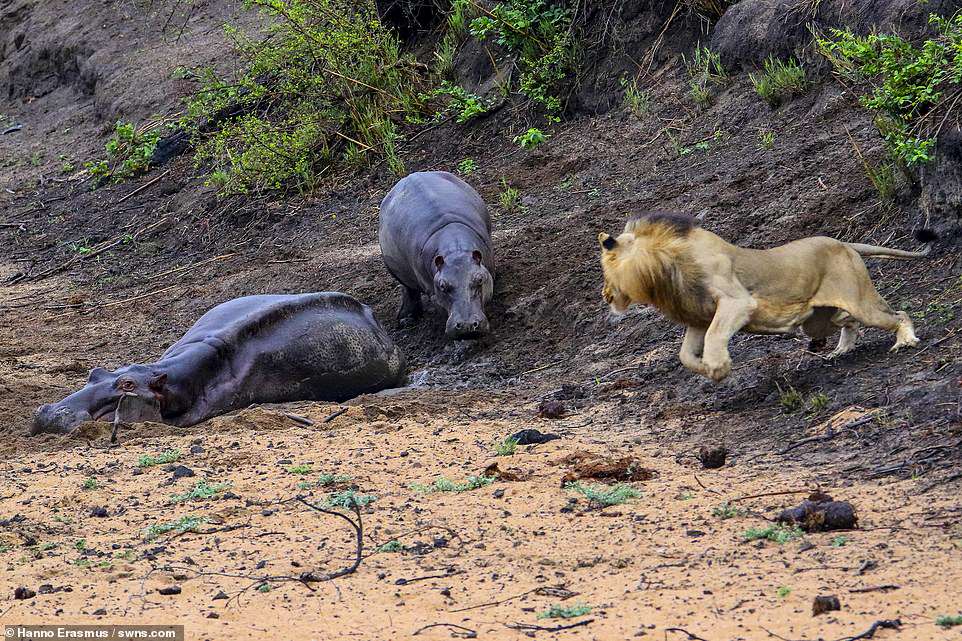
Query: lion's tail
926, 236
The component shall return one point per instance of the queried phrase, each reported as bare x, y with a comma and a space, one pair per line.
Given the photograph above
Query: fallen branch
541, 628
891, 624
490, 603
143, 187
331, 417
691, 637
310, 577
465, 633
875, 588
451, 572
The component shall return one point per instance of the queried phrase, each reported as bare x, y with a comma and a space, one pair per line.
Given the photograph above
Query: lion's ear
606, 241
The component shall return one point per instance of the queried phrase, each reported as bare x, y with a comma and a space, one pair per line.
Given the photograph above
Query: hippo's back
422, 203
319, 346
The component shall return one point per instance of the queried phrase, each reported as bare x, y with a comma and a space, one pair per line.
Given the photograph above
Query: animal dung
824, 604
587, 465
533, 437
820, 513
712, 456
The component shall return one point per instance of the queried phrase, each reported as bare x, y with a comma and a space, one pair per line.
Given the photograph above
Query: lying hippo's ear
438, 262
97, 374
607, 241
158, 383
476, 255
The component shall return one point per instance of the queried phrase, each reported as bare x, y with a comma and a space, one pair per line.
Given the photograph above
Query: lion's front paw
718, 371
910, 342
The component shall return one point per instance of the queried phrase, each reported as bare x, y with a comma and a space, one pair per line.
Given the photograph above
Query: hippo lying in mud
256, 349
435, 236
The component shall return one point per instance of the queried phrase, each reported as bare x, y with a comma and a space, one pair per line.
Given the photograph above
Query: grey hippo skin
435, 236
257, 349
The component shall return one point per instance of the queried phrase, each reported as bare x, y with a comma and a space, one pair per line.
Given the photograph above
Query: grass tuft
604, 495
780, 534
779, 80
559, 611
164, 458
202, 490
444, 485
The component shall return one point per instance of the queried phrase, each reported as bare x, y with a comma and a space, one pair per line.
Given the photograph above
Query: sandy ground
485, 559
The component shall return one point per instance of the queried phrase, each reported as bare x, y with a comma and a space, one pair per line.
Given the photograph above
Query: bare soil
884, 429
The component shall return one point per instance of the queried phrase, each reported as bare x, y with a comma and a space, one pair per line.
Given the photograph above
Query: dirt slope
660, 560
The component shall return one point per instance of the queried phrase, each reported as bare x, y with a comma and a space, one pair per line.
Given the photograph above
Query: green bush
779, 81
463, 104
326, 84
538, 34
705, 71
904, 83
604, 495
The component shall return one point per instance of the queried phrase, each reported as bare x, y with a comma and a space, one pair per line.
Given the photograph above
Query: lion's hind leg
849, 335
818, 327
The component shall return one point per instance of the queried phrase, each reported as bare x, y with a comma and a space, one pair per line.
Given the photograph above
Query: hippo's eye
127, 385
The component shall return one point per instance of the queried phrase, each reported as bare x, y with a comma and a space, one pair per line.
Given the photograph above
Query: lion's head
612, 294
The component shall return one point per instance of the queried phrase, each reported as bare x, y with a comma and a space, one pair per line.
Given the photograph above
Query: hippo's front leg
410, 310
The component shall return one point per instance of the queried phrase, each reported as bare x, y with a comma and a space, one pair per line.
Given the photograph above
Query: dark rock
179, 471
941, 196
403, 454
819, 513
498, 493
550, 408
99, 512
533, 437
825, 604
100, 612
213, 615
196, 449
22, 594
285, 461
220, 596
712, 456
46, 588
169, 590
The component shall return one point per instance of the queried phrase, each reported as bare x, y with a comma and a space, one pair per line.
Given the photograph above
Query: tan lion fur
717, 289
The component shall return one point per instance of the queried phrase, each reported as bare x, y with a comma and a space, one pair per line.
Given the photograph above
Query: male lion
717, 289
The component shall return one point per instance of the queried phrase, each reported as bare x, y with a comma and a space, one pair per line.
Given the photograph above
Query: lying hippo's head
462, 285
97, 401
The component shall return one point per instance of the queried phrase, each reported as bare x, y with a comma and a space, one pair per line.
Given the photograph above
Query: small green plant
940, 312
444, 485
467, 166
637, 100
324, 480
391, 546
80, 545
129, 152
89, 483
791, 400
301, 468
817, 402
705, 71
780, 534
465, 105
350, 500
531, 138
726, 511
37, 159
202, 490
165, 457
66, 165
507, 447
839, 541
181, 525
779, 80
948, 621
766, 140
510, 197
783, 592
604, 495
264, 587
559, 611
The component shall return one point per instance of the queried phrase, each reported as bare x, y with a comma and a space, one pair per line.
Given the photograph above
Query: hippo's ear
606, 241
439, 262
477, 256
97, 374
158, 383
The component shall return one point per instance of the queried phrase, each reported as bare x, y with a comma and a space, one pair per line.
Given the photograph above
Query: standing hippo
256, 349
435, 237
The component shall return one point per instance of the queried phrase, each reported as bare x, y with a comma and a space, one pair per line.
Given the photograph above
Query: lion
716, 289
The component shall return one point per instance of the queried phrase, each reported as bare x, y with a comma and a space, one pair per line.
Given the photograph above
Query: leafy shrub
510, 197
350, 500
507, 447
181, 525
467, 166
726, 511
129, 152
326, 84
538, 34
202, 490
300, 469
391, 546
637, 100
779, 81
905, 83
948, 621
604, 495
